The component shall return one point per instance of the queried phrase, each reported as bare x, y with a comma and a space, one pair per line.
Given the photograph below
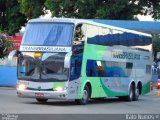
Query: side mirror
11, 55
67, 60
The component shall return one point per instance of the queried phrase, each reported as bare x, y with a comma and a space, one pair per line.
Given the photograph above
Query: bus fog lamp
59, 89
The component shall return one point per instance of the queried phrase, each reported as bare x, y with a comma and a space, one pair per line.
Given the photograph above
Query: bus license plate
39, 94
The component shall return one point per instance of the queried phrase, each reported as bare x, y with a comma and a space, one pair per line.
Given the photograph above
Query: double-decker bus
75, 59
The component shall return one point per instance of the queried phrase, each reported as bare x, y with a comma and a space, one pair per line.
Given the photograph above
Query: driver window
79, 36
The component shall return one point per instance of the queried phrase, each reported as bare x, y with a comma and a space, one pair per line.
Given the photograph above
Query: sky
145, 18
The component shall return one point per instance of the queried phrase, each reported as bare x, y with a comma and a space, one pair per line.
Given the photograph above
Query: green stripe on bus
110, 93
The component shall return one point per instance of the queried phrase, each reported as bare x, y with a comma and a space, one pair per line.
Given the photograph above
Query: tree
104, 9
11, 19
156, 45
5, 46
32, 8
150, 7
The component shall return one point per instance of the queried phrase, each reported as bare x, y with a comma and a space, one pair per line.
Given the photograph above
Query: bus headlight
58, 89
21, 87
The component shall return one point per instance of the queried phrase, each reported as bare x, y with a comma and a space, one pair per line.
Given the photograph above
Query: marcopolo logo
126, 55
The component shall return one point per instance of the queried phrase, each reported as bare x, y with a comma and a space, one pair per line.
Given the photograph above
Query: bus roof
89, 21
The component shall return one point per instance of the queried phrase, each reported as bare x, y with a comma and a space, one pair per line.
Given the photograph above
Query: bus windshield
48, 68
42, 33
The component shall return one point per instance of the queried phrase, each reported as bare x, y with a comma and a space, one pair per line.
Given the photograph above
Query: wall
8, 73
8, 76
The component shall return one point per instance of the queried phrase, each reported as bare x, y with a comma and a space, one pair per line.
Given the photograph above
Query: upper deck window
40, 33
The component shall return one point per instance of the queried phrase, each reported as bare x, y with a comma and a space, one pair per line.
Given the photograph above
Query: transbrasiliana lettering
126, 55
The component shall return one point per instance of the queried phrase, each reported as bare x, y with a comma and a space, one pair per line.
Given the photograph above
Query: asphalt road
10, 103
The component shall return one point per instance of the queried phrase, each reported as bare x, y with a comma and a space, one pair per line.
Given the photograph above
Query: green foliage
156, 45
61, 8
11, 19
32, 8
5, 46
104, 9
150, 7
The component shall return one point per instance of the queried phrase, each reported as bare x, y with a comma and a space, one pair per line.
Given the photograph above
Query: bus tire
131, 94
85, 97
136, 94
41, 100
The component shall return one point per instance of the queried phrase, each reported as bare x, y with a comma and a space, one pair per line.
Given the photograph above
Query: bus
78, 59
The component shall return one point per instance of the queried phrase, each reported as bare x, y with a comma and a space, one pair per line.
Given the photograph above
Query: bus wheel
131, 93
136, 94
41, 100
85, 97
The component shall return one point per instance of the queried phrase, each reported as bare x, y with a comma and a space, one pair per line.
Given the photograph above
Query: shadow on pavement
73, 103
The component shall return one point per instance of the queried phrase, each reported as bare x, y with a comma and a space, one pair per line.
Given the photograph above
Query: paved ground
10, 103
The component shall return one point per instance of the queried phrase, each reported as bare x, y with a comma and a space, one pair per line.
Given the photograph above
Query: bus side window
79, 34
100, 68
91, 68
76, 65
91, 73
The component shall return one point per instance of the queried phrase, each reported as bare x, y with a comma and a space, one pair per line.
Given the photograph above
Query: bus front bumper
42, 94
